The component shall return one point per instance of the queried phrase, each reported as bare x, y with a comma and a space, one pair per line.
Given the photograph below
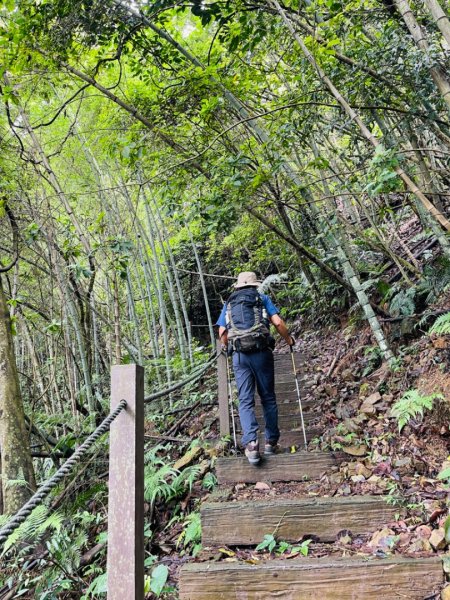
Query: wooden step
290, 397
289, 422
287, 439
287, 378
314, 579
289, 390
288, 408
246, 523
294, 438
299, 358
280, 467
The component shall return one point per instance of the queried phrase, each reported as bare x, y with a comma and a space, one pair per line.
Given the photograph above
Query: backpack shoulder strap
257, 310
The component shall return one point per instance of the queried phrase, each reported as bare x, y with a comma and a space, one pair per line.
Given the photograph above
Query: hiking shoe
252, 453
271, 448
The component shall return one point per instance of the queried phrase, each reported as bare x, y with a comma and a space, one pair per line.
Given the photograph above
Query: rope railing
62, 472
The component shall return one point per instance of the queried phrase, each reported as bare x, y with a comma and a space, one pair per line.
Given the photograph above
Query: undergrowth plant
63, 540
411, 405
441, 326
190, 537
162, 481
444, 476
271, 544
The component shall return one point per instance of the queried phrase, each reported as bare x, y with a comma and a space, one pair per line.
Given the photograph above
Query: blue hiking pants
256, 369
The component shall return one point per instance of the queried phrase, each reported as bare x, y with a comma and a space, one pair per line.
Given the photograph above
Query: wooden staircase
245, 523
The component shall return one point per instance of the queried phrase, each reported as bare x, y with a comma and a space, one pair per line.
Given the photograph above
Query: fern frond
29, 529
53, 521
185, 479
156, 484
150, 457
411, 405
442, 325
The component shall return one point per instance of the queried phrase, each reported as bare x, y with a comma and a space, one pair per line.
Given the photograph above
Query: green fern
209, 481
166, 483
34, 527
157, 485
411, 405
185, 479
403, 304
151, 456
192, 533
98, 586
442, 325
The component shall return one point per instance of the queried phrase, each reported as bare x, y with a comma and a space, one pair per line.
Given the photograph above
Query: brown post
125, 564
224, 414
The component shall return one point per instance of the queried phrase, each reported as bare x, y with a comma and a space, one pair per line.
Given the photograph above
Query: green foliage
348, 438
34, 527
447, 530
162, 482
209, 481
382, 172
441, 326
282, 148
411, 405
444, 475
97, 586
191, 535
374, 357
270, 544
158, 579
403, 302
64, 539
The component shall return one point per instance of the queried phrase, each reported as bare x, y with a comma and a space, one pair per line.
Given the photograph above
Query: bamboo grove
151, 150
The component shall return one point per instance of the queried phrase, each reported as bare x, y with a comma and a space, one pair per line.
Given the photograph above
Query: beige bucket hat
247, 278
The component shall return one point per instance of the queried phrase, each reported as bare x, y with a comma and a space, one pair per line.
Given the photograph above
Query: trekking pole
230, 402
298, 395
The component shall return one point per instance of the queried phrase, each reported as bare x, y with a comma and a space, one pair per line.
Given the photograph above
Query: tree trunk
203, 285
438, 75
16, 462
440, 18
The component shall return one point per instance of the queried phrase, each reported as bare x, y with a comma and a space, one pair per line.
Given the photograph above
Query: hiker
244, 331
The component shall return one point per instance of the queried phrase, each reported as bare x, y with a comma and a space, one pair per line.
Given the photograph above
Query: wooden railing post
224, 414
125, 563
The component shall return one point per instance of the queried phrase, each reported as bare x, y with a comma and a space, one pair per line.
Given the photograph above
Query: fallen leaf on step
437, 539
423, 532
384, 539
368, 408
187, 458
252, 561
355, 450
227, 552
373, 398
445, 594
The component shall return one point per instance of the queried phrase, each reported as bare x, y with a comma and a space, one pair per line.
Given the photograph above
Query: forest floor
353, 397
